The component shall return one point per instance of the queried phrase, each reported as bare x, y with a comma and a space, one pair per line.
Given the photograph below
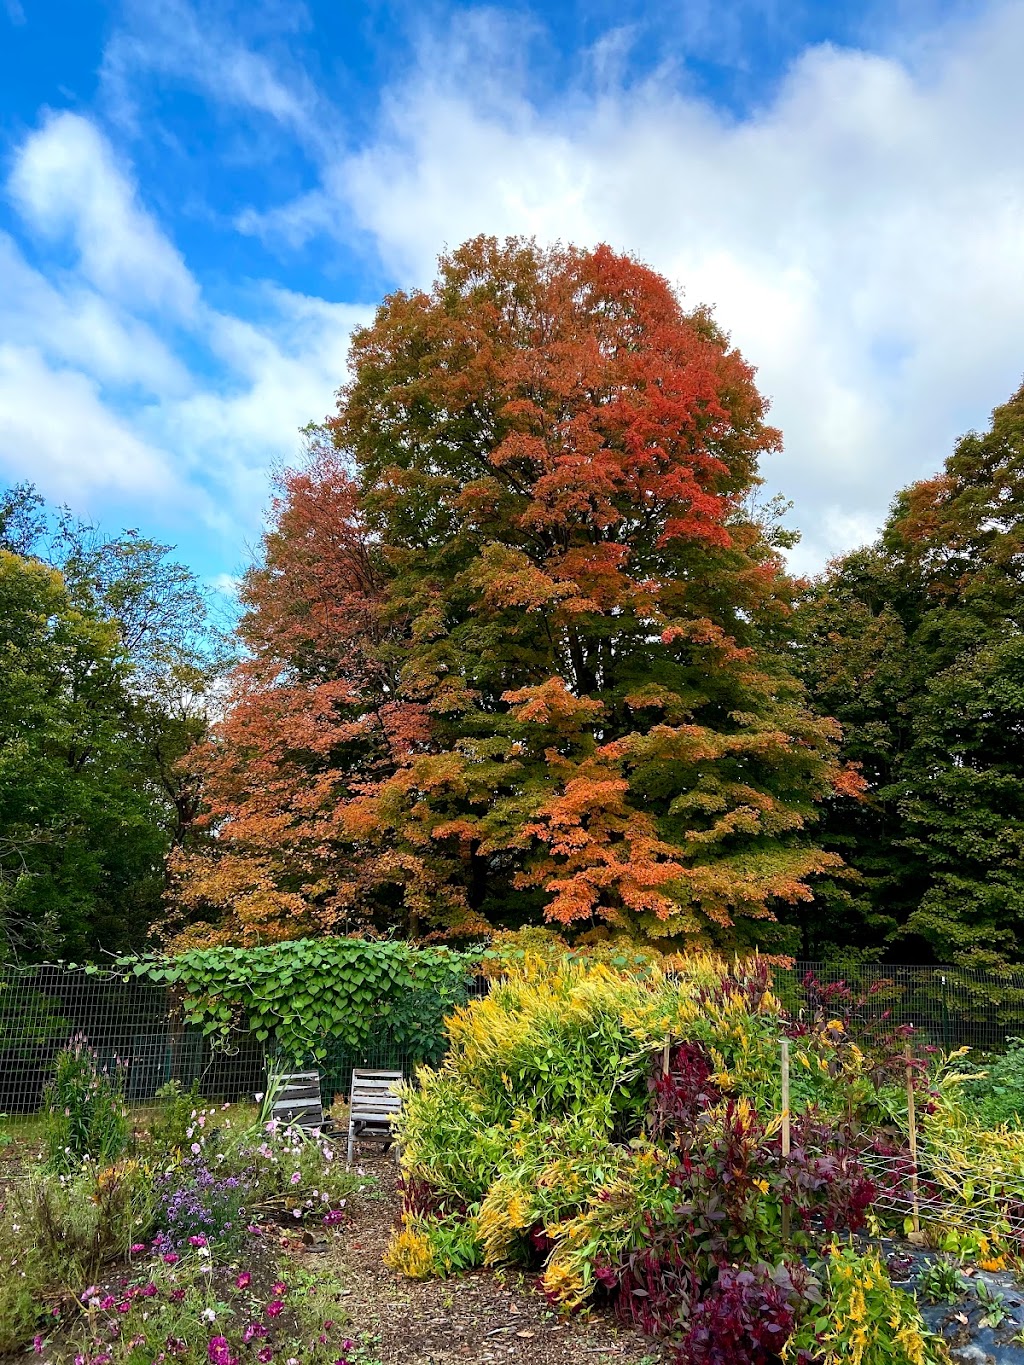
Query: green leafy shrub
942, 1281
998, 1097
86, 1113
306, 997
621, 1129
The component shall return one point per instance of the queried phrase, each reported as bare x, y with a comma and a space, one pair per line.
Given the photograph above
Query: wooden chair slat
373, 1105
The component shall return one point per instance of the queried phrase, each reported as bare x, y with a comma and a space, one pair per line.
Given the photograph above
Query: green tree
914, 644
105, 666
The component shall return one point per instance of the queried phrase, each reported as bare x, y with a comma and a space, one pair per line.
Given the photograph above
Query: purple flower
37, 1344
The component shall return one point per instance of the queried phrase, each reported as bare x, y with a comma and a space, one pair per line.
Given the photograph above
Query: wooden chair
373, 1105
296, 1100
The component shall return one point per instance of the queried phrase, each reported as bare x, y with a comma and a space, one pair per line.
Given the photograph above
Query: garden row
623, 1135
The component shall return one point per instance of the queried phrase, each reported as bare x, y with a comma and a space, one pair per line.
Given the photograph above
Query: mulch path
476, 1318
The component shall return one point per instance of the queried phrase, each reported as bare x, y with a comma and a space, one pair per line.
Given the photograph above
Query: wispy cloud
117, 374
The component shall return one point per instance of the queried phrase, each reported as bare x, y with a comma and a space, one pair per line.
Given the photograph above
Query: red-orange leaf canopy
518, 646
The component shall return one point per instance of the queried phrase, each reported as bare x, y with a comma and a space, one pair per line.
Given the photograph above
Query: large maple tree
517, 648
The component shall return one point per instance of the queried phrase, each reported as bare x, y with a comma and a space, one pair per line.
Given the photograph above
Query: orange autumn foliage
517, 647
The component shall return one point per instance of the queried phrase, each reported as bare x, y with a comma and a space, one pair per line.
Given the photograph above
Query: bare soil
473, 1319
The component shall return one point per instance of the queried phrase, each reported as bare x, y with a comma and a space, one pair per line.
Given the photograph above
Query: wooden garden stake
912, 1129
785, 1128
664, 1056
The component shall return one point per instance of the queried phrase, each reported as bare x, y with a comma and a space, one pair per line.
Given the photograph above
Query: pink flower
37, 1344
274, 1308
176, 1295
264, 1354
195, 1149
242, 1282
279, 1287
124, 1306
296, 1177
171, 1258
148, 1290
107, 1303
254, 1329
137, 1247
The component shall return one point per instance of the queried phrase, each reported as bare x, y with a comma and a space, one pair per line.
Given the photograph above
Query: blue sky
198, 202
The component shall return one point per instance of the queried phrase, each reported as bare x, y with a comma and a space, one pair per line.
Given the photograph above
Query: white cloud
78, 327
94, 399
173, 38
861, 236
56, 431
67, 183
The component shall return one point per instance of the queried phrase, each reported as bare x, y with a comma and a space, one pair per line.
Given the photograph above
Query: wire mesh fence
948, 1007
142, 1029
142, 1026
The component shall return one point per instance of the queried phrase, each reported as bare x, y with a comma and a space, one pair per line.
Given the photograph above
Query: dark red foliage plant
744, 1316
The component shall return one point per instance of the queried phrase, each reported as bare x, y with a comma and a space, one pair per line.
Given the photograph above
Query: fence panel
142, 1027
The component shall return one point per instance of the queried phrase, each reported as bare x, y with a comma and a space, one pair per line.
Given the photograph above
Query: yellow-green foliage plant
869, 1322
543, 1138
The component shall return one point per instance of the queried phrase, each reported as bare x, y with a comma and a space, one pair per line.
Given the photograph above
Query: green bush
999, 1096
85, 1108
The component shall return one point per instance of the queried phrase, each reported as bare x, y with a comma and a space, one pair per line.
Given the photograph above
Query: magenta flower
107, 1303
274, 1308
219, 1352
138, 1246
264, 1354
37, 1344
279, 1287
242, 1281
296, 1177
148, 1290
170, 1258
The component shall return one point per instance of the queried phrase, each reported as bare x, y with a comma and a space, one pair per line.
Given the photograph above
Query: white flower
208, 1315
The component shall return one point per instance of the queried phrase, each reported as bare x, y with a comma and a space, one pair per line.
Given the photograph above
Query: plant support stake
912, 1130
785, 1131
